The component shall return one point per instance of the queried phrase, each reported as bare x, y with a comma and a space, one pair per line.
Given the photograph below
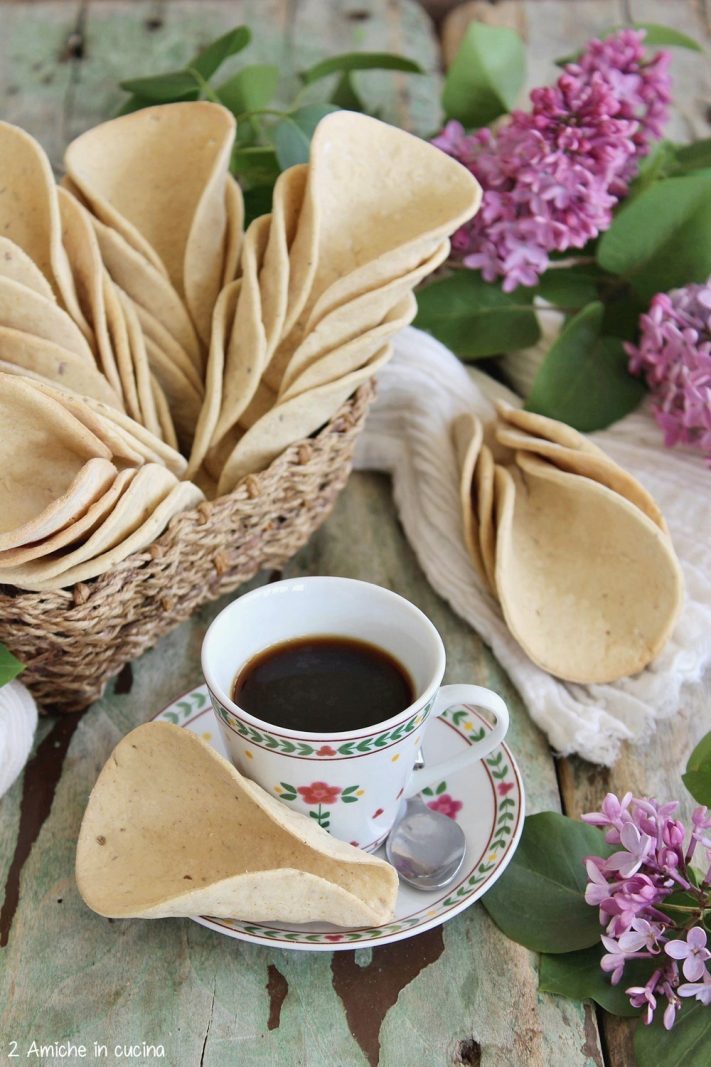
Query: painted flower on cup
319, 793
442, 801
446, 805
319, 796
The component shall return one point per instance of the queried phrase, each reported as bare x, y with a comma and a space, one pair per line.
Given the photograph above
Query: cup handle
446, 698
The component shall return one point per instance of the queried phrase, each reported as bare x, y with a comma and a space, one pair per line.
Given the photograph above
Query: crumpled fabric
407, 434
18, 721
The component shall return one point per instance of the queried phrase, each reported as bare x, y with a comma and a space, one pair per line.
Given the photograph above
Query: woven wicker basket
74, 640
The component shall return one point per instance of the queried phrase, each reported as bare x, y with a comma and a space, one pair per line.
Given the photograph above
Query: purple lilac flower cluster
674, 354
632, 885
551, 177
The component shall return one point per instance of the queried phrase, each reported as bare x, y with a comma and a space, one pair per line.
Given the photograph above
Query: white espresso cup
351, 782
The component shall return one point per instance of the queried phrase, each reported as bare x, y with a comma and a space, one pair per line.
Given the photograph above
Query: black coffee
323, 684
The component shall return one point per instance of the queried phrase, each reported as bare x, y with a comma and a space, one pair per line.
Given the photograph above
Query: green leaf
686, 1045
655, 35
539, 901
571, 287
578, 976
584, 379
250, 89
662, 239
309, 116
697, 778
660, 163
257, 201
10, 666
292, 136
485, 76
694, 156
622, 311
345, 95
164, 88
666, 35
476, 318
291, 144
349, 61
208, 61
255, 166
133, 103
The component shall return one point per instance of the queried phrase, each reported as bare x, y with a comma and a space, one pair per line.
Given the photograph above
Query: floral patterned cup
352, 783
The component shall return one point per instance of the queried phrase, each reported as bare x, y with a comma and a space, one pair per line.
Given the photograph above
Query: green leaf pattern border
183, 709
509, 810
293, 746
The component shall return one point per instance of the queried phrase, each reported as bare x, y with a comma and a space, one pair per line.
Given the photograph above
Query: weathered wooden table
460, 994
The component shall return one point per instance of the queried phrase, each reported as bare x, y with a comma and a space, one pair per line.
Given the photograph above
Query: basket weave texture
74, 640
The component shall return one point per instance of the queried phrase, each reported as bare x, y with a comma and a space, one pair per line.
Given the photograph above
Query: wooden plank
37, 68
58, 82
444, 997
203, 995
406, 100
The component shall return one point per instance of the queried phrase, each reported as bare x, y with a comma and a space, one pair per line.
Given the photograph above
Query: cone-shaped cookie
467, 436
158, 176
29, 214
53, 466
282, 424
332, 364
17, 265
542, 426
344, 324
34, 355
595, 465
380, 236
588, 584
142, 511
484, 505
172, 828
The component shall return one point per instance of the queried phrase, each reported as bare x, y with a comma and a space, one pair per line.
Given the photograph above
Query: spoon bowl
425, 847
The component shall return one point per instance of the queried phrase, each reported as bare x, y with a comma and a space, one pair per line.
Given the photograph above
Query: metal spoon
425, 847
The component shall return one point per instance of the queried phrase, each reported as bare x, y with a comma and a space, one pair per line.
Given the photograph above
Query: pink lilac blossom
699, 990
630, 886
674, 355
551, 177
693, 952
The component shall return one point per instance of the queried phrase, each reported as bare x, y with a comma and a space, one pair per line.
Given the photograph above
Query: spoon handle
455, 695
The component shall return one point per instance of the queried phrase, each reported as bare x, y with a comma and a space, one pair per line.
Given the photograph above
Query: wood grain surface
461, 994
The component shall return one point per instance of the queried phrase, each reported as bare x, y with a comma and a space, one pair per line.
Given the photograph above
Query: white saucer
486, 799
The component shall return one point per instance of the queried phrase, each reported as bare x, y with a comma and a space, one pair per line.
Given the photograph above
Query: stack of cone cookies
153, 354
575, 550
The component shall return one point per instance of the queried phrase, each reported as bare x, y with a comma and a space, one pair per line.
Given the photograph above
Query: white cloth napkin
18, 719
407, 434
